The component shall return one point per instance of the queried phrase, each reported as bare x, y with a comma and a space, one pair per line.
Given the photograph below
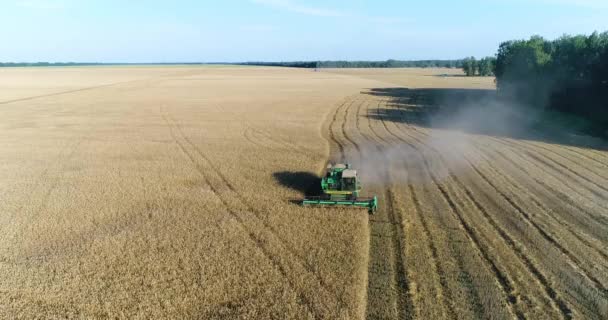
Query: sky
280, 30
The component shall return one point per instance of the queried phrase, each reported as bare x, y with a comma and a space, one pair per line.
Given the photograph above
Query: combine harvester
341, 187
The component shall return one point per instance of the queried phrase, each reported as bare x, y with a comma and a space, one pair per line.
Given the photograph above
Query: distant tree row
392, 64
291, 64
484, 67
47, 64
75, 64
569, 74
365, 64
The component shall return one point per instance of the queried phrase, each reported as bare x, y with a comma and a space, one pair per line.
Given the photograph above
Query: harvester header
340, 187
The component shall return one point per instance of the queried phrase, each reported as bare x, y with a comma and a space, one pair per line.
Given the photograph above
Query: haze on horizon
280, 30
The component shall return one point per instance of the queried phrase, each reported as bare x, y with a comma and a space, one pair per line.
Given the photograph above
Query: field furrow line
550, 213
443, 288
583, 155
550, 291
548, 164
332, 134
546, 211
322, 294
255, 211
574, 260
527, 217
564, 196
561, 165
503, 280
250, 234
344, 131
285, 144
528, 144
405, 306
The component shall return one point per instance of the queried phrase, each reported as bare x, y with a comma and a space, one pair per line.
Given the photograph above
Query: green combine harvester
341, 187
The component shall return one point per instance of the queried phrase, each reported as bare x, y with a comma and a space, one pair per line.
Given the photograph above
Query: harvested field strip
589, 277
566, 312
405, 307
438, 271
552, 163
440, 285
599, 172
587, 155
503, 279
545, 234
498, 175
564, 196
285, 259
555, 195
384, 300
496, 170
541, 176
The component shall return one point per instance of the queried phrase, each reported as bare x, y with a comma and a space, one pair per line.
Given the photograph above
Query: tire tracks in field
309, 301
503, 280
533, 145
528, 217
443, 288
564, 309
582, 154
548, 163
546, 235
332, 134
564, 197
574, 261
405, 305
398, 278
86, 89
547, 211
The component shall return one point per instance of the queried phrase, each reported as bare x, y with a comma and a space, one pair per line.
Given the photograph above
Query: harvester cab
340, 187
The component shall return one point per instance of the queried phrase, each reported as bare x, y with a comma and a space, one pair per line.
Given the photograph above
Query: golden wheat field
166, 192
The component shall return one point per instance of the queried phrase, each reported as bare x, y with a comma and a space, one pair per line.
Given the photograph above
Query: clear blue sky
280, 30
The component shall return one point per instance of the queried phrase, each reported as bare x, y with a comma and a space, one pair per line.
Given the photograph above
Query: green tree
469, 66
486, 66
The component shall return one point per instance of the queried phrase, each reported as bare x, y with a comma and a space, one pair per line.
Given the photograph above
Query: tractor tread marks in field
527, 217
406, 306
549, 213
307, 299
542, 232
403, 304
563, 196
502, 278
574, 173
564, 309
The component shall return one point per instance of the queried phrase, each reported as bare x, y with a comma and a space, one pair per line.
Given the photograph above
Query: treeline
392, 64
47, 64
484, 67
569, 74
364, 64
291, 64
77, 64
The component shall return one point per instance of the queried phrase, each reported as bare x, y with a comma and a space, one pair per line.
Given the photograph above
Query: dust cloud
445, 142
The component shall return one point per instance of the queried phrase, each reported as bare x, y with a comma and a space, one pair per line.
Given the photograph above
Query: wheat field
165, 192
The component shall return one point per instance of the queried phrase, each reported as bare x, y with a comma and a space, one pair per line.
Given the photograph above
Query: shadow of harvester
306, 183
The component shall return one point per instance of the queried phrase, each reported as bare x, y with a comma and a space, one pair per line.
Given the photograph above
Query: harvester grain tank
341, 187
